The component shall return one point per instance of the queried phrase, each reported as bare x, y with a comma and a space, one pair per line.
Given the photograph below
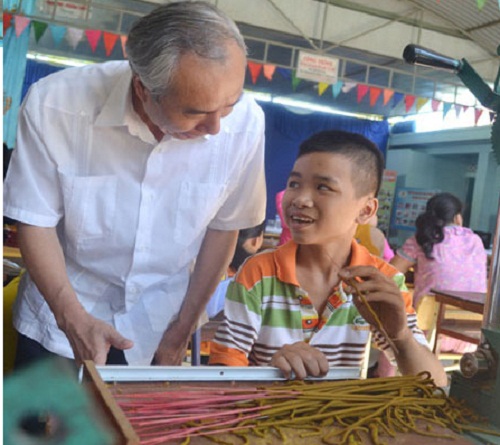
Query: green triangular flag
480, 4
295, 81
40, 28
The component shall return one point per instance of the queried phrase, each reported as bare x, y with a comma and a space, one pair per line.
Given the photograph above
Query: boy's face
320, 202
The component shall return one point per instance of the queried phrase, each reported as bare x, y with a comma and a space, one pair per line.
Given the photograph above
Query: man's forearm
42, 254
212, 262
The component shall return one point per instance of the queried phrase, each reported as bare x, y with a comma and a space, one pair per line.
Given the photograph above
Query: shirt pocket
198, 204
89, 206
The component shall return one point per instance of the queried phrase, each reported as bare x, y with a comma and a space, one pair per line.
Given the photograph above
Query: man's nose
211, 124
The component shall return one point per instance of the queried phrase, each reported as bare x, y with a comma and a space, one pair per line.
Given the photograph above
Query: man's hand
91, 339
302, 359
172, 348
384, 298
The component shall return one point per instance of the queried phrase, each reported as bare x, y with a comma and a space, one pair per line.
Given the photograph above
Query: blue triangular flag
58, 33
285, 72
398, 97
446, 107
337, 88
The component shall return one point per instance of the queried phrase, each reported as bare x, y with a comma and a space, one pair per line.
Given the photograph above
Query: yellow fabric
9, 333
363, 237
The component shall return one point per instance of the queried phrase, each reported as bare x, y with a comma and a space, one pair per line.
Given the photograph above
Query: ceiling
368, 38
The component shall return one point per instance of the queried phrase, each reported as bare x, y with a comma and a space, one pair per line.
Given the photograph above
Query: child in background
445, 255
285, 235
297, 307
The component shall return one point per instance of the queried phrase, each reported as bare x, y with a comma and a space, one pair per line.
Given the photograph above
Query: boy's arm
385, 300
301, 359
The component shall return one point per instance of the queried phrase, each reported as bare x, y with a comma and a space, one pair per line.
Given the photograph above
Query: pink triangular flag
322, 86
269, 71
255, 70
109, 42
74, 35
421, 101
124, 43
374, 95
477, 114
362, 90
409, 101
20, 24
435, 104
464, 108
93, 36
388, 95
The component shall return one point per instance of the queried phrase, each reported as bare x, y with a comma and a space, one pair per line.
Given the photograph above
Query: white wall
445, 160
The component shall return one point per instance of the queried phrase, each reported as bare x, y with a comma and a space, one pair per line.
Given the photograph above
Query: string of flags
373, 94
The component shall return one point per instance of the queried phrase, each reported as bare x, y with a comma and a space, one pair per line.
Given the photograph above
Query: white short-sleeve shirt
130, 212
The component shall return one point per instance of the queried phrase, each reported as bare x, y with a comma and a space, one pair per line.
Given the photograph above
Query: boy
293, 307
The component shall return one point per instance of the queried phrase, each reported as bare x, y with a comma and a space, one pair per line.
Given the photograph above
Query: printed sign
409, 203
386, 199
317, 68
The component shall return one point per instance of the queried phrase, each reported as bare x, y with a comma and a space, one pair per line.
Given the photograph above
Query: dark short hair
240, 254
366, 159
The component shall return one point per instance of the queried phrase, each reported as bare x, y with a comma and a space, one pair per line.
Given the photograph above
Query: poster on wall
408, 204
386, 199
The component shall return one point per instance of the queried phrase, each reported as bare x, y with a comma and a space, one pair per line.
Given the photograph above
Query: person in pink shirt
286, 235
444, 254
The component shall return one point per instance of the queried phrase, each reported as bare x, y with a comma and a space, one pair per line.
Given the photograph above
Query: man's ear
369, 209
139, 88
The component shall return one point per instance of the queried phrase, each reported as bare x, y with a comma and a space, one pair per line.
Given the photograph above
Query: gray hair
158, 40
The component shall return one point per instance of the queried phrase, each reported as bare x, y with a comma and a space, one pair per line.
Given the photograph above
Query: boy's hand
302, 359
384, 297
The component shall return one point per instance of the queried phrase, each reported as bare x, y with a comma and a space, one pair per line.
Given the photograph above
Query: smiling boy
292, 307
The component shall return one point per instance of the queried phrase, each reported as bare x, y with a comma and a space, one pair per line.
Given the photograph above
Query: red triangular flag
374, 95
269, 71
362, 90
20, 24
255, 69
93, 36
477, 114
7, 21
388, 95
124, 48
435, 104
409, 101
109, 41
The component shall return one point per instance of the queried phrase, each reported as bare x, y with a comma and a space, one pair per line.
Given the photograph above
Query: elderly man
130, 182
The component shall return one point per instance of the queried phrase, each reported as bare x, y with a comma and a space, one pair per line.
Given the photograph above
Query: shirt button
133, 290
309, 321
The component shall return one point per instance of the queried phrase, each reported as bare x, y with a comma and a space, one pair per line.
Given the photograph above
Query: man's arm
43, 256
211, 263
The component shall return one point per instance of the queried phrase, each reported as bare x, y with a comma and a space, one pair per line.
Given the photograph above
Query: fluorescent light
55, 60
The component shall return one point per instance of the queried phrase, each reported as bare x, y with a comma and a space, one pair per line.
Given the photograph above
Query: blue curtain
285, 130
34, 71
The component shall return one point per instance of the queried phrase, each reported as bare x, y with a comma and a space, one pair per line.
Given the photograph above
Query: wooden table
463, 329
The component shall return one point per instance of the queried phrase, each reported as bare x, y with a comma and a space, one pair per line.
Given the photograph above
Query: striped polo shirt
266, 309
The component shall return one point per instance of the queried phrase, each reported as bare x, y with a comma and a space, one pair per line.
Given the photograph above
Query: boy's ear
369, 209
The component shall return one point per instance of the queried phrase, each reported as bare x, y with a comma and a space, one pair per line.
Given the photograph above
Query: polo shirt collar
285, 260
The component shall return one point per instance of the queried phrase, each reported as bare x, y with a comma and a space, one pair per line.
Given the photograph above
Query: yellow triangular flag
322, 86
421, 101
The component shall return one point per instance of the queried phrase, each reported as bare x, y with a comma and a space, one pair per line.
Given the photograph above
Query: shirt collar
285, 260
118, 104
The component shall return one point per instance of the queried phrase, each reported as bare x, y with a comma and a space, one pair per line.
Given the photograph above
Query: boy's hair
240, 254
367, 160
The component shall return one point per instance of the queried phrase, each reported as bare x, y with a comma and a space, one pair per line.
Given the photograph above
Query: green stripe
343, 316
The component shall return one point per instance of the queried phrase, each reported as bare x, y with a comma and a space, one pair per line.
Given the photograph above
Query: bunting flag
374, 95
387, 95
421, 101
348, 86
458, 109
269, 71
446, 108
398, 97
477, 114
362, 90
7, 21
58, 32
337, 88
109, 42
322, 86
435, 104
40, 28
409, 101
464, 108
492, 116
255, 70
124, 43
20, 24
480, 4
284, 72
93, 36
295, 80
74, 36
